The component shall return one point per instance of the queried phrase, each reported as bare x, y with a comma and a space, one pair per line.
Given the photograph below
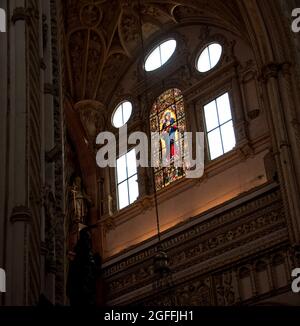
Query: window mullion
160, 57
127, 178
210, 65
219, 123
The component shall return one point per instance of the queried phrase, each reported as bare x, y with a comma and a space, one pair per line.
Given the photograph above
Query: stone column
48, 145
18, 227
278, 105
3, 138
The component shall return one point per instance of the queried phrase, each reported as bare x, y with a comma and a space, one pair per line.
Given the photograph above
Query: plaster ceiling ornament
103, 37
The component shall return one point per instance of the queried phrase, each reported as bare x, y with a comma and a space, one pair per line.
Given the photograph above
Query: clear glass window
219, 126
209, 57
122, 114
127, 179
160, 55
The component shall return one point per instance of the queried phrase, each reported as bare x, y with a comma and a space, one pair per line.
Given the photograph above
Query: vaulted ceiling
103, 36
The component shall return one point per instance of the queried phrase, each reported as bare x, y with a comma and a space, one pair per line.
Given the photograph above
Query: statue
80, 201
84, 270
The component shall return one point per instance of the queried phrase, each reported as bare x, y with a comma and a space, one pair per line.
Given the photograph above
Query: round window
122, 114
209, 57
160, 55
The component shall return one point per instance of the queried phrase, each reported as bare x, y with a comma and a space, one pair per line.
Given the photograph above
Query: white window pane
167, 49
215, 144
123, 195
160, 55
127, 110
228, 136
153, 61
211, 117
203, 61
131, 163
122, 114
133, 189
121, 169
224, 109
118, 118
215, 51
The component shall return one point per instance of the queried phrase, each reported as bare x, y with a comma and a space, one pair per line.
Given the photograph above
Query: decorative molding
271, 70
20, 13
240, 227
21, 214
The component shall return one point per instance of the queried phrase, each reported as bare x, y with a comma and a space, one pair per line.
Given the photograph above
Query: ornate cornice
202, 228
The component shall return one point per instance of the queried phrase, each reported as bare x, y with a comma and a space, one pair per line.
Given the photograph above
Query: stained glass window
168, 119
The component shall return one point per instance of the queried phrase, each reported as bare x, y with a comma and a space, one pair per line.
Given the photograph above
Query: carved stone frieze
243, 225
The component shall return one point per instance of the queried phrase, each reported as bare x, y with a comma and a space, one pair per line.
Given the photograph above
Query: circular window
160, 55
209, 57
122, 114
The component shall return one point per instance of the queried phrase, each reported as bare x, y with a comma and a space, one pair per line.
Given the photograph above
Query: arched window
167, 117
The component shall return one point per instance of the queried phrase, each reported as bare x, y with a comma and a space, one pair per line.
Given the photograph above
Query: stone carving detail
267, 203
77, 54
90, 15
200, 243
50, 225
224, 289
80, 201
195, 293
270, 71
59, 138
94, 58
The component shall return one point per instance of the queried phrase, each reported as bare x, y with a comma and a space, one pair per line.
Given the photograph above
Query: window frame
152, 49
117, 107
214, 98
183, 118
126, 180
201, 50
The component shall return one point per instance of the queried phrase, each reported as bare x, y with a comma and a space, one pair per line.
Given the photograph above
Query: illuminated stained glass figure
168, 118
168, 135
